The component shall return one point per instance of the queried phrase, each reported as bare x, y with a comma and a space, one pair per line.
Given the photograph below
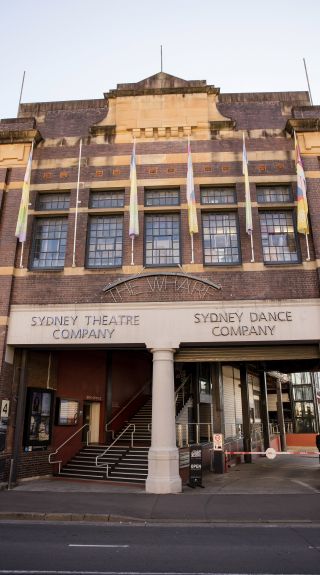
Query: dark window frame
114, 216
218, 188
116, 192
216, 213
40, 195
36, 224
279, 202
150, 215
292, 212
164, 190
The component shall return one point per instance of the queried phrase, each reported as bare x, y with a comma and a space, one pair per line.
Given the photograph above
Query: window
274, 194
162, 239
221, 195
220, 238
49, 243
107, 199
53, 201
105, 241
303, 405
169, 197
278, 237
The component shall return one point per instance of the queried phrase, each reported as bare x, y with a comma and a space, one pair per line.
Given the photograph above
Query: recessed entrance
91, 416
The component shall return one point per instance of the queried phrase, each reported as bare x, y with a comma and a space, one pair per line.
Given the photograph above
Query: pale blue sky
78, 49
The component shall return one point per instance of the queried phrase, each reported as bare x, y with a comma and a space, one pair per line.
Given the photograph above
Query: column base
163, 476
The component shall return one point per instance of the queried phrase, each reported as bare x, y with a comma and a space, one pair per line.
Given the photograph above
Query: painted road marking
80, 545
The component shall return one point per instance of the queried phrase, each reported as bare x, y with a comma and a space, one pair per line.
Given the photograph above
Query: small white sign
217, 441
271, 453
5, 403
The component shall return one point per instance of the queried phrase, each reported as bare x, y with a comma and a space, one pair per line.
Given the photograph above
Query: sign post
195, 466
4, 415
218, 453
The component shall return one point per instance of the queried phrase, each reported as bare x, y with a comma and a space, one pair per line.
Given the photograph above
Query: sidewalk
283, 490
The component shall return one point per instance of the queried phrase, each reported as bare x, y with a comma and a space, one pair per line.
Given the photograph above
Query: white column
163, 472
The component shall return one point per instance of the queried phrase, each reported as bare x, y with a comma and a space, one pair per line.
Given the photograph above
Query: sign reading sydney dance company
243, 323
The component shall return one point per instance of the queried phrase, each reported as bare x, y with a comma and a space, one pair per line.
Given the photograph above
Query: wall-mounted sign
38, 421
217, 441
67, 412
5, 403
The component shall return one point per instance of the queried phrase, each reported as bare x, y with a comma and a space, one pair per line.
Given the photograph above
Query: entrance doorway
91, 416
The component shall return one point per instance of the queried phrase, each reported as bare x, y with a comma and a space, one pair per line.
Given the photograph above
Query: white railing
112, 445
65, 443
274, 428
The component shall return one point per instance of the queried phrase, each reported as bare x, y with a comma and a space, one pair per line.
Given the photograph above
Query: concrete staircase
121, 462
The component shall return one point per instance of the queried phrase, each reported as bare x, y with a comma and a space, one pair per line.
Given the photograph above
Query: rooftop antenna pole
24, 73
161, 57
306, 71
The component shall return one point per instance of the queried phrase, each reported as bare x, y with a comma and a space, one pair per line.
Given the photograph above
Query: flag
249, 226
134, 218
21, 228
302, 202
191, 199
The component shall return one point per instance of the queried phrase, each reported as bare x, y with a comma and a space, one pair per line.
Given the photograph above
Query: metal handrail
184, 427
126, 405
65, 443
185, 396
112, 444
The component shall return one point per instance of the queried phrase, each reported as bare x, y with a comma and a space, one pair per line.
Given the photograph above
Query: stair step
83, 475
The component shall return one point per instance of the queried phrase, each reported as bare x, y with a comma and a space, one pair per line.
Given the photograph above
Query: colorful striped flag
191, 199
302, 202
249, 225
21, 228
134, 216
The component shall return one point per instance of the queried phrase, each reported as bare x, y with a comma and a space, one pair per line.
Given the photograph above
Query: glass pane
105, 241
218, 195
220, 238
169, 197
278, 237
53, 201
107, 199
274, 194
162, 239
50, 239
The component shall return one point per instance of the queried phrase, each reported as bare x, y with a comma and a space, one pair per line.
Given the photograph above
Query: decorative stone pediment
163, 106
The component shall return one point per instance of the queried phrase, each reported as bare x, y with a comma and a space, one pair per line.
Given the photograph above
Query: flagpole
308, 250
21, 90
22, 245
76, 213
252, 251
306, 71
192, 251
132, 251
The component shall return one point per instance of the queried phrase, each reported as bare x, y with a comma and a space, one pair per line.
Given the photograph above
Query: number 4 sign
5, 408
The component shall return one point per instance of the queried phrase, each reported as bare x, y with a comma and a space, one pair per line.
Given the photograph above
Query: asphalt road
56, 548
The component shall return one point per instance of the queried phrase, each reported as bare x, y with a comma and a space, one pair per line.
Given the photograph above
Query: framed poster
67, 412
38, 420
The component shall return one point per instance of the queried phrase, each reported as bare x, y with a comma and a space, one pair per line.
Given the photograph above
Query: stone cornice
19, 136
303, 125
121, 93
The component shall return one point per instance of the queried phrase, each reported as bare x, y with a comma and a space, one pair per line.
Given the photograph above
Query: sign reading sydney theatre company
165, 324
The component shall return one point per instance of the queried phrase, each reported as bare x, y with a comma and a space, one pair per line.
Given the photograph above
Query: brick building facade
83, 318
